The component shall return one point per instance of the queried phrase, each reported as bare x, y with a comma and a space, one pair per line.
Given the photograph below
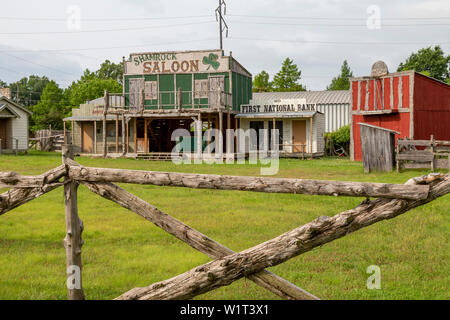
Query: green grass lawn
123, 251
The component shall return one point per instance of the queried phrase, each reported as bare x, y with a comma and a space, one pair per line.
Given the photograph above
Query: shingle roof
317, 97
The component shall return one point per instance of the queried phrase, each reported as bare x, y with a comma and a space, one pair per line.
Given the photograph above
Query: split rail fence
227, 266
423, 154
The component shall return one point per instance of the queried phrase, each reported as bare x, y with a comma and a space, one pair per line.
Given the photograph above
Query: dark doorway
4, 134
279, 127
258, 126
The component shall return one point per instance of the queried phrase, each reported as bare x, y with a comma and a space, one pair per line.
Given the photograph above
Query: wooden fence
227, 266
48, 140
414, 154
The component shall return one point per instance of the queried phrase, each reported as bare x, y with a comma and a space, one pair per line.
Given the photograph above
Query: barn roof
316, 97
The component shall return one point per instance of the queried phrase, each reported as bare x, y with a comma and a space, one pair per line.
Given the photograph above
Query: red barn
413, 104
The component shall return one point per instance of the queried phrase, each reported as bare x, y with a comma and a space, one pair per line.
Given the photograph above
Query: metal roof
316, 97
270, 115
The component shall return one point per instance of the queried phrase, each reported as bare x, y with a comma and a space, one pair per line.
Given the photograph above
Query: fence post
105, 112
74, 228
432, 152
1, 146
17, 147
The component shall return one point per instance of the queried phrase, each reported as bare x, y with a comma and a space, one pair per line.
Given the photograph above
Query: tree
52, 108
342, 82
287, 78
261, 82
28, 90
3, 84
431, 60
90, 89
110, 70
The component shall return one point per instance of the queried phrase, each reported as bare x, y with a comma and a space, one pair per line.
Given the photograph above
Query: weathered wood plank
257, 184
193, 238
19, 196
405, 143
225, 271
74, 228
16, 180
415, 157
440, 164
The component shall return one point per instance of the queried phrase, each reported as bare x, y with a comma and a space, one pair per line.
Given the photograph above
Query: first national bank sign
177, 62
280, 106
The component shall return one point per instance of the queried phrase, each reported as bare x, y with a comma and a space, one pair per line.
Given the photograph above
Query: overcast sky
317, 34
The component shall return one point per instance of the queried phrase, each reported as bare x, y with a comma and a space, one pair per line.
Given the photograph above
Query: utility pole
222, 23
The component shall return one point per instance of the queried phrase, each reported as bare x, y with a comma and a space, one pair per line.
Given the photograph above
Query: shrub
336, 140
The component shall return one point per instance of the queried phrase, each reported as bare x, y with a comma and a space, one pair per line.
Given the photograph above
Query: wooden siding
378, 147
431, 108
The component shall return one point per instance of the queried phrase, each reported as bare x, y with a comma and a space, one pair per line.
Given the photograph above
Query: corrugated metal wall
336, 115
335, 104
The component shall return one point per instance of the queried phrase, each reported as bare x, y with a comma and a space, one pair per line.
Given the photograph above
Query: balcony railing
216, 100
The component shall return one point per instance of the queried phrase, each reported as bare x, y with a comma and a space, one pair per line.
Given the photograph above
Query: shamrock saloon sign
177, 62
211, 60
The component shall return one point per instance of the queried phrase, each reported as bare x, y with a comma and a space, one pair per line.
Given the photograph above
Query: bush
336, 140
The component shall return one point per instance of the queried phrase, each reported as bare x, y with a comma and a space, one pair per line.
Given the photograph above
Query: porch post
220, 140
117, 133
124, 150
311, 136
95, 137
105, 112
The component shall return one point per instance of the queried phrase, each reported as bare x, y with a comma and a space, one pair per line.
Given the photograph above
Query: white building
13, 124
334, 104
300, 128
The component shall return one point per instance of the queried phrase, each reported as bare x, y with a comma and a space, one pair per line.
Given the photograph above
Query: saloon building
166, 91
163, 92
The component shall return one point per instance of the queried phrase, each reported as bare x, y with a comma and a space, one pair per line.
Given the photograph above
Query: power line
337, 42
37, 64
104, 19
105, 30
336, 18
339, 25
205, 16
109, 48
223, 26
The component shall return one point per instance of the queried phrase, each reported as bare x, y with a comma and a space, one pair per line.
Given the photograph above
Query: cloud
15, 63
301, 38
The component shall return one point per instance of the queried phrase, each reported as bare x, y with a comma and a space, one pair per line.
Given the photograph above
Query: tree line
430, 61
50, 103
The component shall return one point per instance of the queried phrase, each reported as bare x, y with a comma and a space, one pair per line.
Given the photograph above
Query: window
111, 130
151, 90
201, 89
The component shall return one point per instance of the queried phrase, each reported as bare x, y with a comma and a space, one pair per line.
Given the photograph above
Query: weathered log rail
227, 266
422, 154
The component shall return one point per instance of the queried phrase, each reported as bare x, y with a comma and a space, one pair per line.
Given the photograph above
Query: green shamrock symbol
212, 61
